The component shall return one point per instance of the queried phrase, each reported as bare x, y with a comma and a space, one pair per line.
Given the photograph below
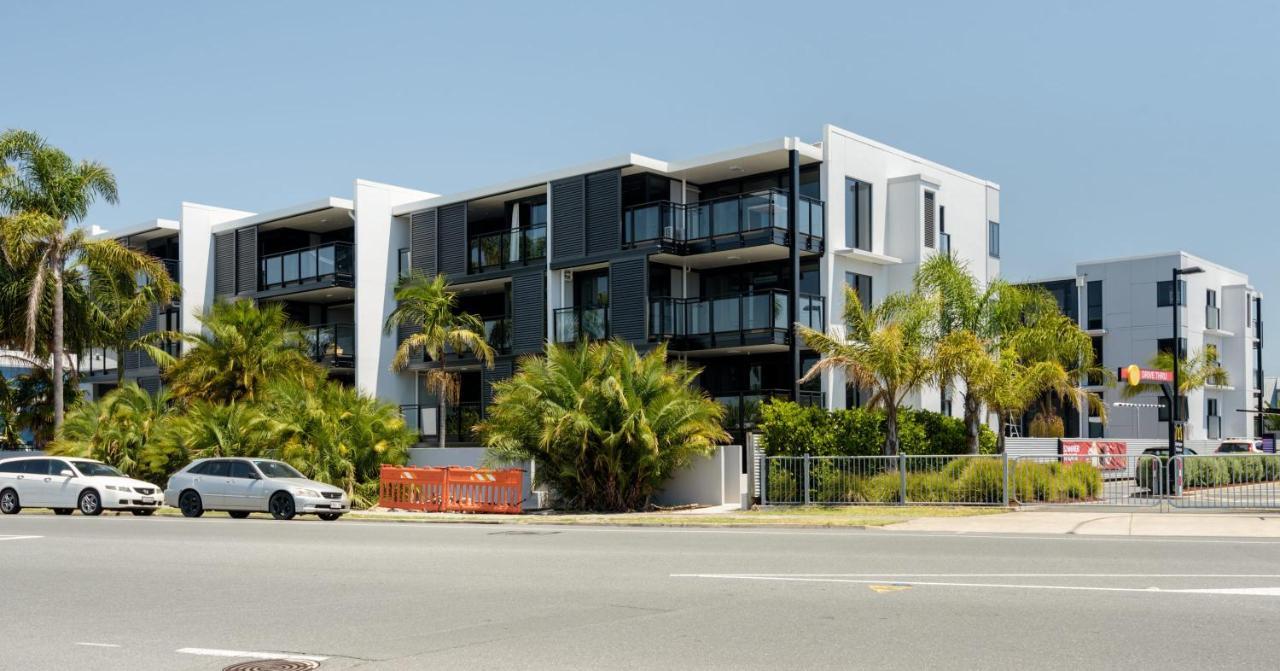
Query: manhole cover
275, 665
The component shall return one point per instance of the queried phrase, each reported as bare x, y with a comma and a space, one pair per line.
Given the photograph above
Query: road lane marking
1275, 576
97, 645
1237, 591
214, 652
888, 588
18, 538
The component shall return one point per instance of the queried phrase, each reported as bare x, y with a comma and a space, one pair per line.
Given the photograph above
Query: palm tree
887, 350
1202, 369
242, 347
36, 391
1055, 338
205, 429
11, 415
426, 304
44, 195
117, 429
121, 304
605, 426
974, 321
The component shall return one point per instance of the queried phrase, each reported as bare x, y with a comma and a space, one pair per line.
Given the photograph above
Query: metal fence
1242, 481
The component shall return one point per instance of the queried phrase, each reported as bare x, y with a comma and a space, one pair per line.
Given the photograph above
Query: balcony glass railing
1213, 426
459, 421
944, 243
728, 216
332, 261
514, 247
725, 320
333, 344
1212, 317
581, 323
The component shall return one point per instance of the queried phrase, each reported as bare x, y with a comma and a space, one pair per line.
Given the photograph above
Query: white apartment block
717, 256
1126, 305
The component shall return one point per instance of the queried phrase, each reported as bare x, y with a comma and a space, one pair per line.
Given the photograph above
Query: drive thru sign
1136, 376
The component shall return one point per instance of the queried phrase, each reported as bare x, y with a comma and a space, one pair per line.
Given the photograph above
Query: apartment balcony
582, 323
497, 332
327, 266
459, 420
333, 345
762, 319
506, 249
733, 222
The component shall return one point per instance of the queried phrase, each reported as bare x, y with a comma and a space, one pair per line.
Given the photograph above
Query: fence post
902, 478
1005, 455
806, 478
764, 484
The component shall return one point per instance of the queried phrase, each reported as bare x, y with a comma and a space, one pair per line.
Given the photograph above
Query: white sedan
65, 484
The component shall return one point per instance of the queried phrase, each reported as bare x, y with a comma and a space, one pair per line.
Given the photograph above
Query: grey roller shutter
568, 218
422, 242
528, 312
930, 227
627, 283
453, 239
224, 264
604, 211
247, 260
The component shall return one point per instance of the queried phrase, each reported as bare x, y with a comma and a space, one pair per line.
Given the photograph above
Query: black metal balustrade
503, 249
581, 323
334, 261
731, 216
731, 321
332, 344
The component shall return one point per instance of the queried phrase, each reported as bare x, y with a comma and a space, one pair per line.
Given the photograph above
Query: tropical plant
1013, 384
44, 195
887, 350
35, 393
335, 434
118, 429
1200, 370
426, 305
11, 415
788, 428
242, 348
1056, 339
120, 305
213, 429
605, 426
974, 319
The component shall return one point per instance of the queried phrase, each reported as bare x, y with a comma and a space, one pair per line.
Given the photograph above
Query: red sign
1135, 375
1109, 455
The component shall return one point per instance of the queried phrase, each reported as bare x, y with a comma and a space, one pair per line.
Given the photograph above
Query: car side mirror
66, 473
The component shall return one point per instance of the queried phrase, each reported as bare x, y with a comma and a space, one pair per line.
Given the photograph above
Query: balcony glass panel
290, 262
725, 313
326, 261
329, 261
505, 248
725, 216
307, 262
581, 323
272, 274
1212, 317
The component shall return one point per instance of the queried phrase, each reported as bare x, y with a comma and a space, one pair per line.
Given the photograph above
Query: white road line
214, 652
18, 538
1240, 591
97, 645
1275, 576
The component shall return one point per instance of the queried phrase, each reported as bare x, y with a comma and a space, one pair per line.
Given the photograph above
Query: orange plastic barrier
451, 489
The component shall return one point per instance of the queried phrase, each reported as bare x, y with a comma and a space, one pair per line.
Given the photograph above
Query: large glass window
1095, 304
993, 239
862, 285
1164, 293
1165, 346
857, 214
402, 263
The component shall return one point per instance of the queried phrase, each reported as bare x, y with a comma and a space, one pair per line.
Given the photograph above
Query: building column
793, 304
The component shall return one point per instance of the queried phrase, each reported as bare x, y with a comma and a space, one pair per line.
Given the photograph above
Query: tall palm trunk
891, 429
119, 364
444, 419
58, 409
972, 422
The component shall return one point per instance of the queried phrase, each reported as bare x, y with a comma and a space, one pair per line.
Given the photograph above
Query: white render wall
195, 251
1133, 324
898, 182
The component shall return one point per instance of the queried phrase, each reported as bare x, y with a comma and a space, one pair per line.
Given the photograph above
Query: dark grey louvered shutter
604, 211
501, 370
528, 312
628, 280
422, 242
930, 226
453, 240
568, 218
224, 264
149, 326
247, 260
151, 384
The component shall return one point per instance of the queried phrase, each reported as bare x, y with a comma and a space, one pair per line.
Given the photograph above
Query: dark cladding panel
568, 218
224, 264
422, 242
247, 260
604, 211
501, 370
528, 312
453, 239
628, 281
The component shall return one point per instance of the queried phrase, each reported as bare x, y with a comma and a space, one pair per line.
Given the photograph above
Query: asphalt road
170, 593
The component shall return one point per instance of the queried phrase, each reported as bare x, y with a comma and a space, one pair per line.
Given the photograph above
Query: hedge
961, 480
790, 429
1215, 471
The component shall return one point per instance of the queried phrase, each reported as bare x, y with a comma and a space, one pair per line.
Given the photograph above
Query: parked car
1163, 451
241, 486
65, 484
1239, 446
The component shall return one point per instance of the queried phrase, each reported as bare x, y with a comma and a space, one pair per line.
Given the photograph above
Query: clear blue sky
1113, 128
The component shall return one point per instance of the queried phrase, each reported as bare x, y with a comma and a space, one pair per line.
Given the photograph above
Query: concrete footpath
1099, 523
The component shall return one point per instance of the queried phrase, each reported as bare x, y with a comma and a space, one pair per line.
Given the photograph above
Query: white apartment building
1126, 304
717, 256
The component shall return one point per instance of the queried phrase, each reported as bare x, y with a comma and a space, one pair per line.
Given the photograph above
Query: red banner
1109, 455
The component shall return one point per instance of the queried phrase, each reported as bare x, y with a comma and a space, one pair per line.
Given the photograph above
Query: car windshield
276, 469
91, 469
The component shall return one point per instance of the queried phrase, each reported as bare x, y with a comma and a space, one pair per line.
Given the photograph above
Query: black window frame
855, 192
993, 239
854, 281
1164, 290
1165, 345
1093, 289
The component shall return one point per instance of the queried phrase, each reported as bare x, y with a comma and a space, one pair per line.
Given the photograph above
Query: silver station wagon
241, 486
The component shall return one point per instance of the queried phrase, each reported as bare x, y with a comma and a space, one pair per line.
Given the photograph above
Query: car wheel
238, 514
143, 512
329, 517
282, 507
9, 503
190, 504
90, 503
61, 511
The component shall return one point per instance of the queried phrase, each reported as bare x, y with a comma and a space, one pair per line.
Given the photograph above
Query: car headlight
114, 488
309, 493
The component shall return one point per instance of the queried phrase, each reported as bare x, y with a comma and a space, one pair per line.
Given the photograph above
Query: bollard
1005, 455
806, 478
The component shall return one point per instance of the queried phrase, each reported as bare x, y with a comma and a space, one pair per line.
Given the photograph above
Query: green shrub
1046, 426
980, 480
791, 429
782, 485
